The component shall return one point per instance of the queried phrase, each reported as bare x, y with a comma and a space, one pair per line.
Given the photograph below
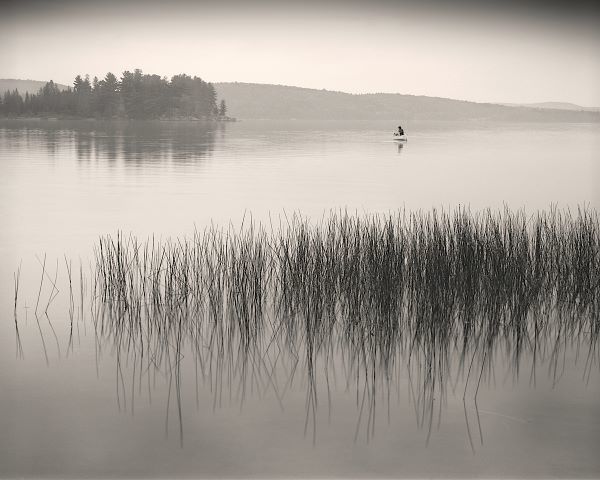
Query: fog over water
80, 399
147, 178
226, 277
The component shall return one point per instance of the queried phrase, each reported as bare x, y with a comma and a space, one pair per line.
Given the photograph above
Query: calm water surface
69, 409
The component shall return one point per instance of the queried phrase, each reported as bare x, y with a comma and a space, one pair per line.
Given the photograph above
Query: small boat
400, 138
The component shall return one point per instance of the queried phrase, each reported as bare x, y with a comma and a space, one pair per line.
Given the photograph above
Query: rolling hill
24, 86
556, 106
280, 102
262, 101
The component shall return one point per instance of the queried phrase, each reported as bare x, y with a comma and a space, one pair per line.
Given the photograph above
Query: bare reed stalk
419, 285
17, 277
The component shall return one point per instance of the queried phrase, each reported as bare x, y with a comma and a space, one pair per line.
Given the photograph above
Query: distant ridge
23, 86
278, 102
555, 106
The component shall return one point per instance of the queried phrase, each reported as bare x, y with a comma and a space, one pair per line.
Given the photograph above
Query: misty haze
299, 240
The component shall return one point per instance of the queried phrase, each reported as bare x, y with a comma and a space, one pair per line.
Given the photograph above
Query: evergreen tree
82, 90
134, 95
109, 95
77, 84
85, 86
12, 103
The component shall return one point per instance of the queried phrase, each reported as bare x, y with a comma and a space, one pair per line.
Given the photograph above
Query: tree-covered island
134, 96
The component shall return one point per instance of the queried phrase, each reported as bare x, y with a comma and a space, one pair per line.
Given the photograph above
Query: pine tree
134, 95
77, 84
222, 109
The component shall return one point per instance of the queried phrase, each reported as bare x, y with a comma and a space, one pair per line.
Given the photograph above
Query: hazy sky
516, 52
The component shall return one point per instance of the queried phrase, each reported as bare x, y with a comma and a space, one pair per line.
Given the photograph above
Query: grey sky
518, 53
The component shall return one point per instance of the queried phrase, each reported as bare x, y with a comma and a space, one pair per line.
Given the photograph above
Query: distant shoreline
55, 118
254, 101
481, 123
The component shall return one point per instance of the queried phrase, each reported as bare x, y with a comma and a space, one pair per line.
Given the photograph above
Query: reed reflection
440, 298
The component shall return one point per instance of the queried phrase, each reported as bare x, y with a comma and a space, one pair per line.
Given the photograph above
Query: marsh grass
422, 289
423, 273
351, 301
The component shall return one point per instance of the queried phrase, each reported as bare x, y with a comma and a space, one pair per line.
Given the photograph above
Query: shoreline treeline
135, 95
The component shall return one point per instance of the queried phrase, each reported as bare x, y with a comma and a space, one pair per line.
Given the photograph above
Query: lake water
76, 406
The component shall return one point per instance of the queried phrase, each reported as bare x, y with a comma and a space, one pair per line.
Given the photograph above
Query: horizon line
499, 103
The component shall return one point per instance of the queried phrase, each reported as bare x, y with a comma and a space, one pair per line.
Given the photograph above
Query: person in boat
400, 130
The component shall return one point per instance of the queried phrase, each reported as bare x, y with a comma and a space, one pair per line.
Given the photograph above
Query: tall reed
425, 288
